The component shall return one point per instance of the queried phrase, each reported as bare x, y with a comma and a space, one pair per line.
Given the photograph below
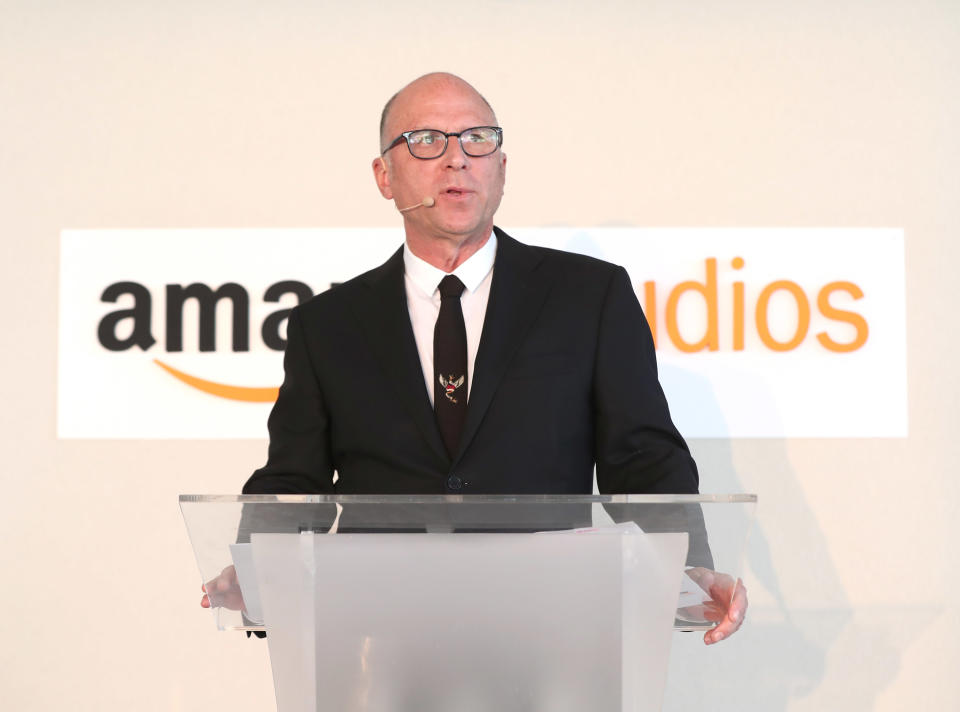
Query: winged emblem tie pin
450, 386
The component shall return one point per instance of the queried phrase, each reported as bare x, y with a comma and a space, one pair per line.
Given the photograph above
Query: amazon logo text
132, 326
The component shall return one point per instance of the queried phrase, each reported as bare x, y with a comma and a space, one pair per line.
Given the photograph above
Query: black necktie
450, 364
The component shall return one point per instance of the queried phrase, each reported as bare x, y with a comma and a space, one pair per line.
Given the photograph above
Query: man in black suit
553, 374
564, 369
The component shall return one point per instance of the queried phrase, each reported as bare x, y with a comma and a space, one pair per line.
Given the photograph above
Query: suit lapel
516, 297
386, 323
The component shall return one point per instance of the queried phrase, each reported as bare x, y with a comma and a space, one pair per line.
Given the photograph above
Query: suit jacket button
454, 482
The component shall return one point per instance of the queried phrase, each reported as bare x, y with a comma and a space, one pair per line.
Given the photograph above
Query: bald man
469, 363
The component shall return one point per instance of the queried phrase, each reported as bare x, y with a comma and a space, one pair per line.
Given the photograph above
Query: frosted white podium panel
467, 603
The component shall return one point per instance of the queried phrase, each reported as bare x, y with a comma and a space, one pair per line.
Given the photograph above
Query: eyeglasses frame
405, 138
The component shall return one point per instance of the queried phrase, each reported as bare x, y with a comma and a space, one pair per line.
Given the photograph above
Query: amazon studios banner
760, 332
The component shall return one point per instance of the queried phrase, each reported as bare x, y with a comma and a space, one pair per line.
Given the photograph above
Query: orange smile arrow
222, 390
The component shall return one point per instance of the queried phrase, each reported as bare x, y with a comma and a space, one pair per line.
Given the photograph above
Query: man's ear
382, 176
503, 171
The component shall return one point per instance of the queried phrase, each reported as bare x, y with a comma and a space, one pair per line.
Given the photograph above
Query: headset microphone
425, 203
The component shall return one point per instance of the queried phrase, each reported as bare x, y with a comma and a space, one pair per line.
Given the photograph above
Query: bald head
425, 88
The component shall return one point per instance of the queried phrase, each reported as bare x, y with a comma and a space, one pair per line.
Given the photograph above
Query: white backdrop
181, 115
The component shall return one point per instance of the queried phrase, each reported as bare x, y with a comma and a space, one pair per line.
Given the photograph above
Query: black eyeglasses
432, 143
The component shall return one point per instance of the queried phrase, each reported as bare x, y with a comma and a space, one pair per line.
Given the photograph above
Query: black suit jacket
565, 378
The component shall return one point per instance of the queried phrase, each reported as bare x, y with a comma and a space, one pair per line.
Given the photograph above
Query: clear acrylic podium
468, 603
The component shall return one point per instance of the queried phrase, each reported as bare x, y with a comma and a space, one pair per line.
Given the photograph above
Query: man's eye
426, 139
476, 137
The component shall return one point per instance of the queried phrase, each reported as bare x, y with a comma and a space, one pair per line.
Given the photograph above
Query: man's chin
463, 230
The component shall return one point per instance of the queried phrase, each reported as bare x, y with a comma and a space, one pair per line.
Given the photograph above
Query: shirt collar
472, 272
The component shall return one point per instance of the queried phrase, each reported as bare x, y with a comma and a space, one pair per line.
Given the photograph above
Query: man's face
466, 190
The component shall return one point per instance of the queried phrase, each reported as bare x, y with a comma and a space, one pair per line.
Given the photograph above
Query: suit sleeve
639, 450
299, 459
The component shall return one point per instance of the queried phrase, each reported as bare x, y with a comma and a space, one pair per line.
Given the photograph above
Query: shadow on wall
790, 649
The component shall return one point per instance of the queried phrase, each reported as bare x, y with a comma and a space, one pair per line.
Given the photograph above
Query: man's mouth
456, 192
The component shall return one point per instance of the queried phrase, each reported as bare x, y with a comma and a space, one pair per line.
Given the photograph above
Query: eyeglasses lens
479, 142
427, 144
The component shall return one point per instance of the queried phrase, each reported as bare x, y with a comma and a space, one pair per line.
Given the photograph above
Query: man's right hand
223, 591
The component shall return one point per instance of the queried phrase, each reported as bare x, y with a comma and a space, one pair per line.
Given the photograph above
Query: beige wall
117, 114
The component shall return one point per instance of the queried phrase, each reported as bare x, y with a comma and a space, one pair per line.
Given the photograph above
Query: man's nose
454, 155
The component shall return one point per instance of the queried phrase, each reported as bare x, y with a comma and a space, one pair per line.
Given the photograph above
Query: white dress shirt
421, 280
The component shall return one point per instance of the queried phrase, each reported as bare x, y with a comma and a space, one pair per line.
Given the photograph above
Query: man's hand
727, 606
223, 591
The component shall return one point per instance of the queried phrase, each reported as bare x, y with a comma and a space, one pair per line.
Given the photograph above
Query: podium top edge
471, 499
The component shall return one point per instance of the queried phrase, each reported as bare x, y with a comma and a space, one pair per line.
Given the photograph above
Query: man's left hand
727, 606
